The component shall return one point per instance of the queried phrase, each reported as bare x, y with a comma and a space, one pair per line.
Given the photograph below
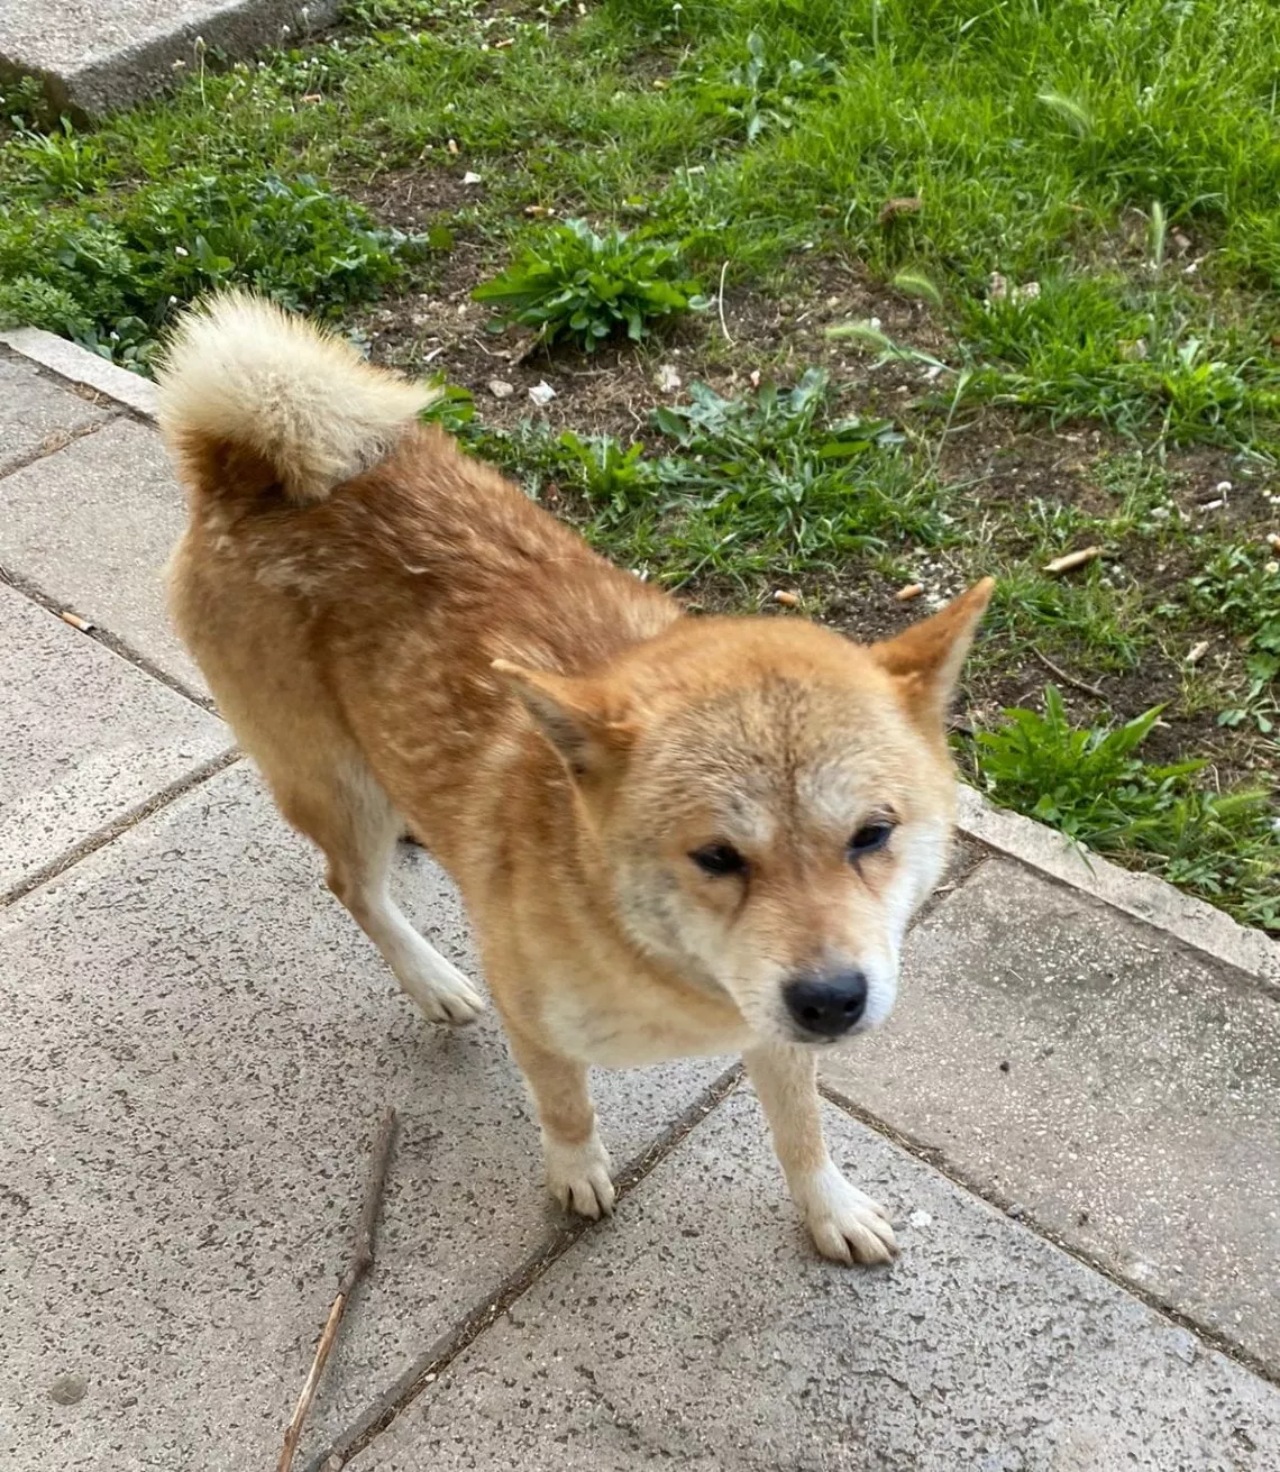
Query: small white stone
500, 388
920, 1219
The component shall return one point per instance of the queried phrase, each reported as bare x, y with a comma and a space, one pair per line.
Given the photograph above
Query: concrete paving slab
86, 738
37, 415
96, 55
91, 370
700, 1332
197, 1044
1143, 896
92, 527
1125, 1093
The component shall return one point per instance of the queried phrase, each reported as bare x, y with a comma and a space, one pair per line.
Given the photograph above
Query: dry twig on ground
358, 1264
1067, 679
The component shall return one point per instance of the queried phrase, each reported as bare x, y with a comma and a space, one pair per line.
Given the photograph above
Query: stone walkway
97, 55
1074, 1116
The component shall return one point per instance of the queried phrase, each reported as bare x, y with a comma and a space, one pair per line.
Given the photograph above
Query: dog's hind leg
845, 1224
348, 815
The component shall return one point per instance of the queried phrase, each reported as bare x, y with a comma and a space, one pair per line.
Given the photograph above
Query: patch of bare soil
1003, 459
437, 327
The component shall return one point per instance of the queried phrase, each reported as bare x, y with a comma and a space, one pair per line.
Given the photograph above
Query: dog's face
771, 803
775, 840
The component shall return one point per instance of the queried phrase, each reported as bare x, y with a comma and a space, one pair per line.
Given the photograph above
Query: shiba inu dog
674, 836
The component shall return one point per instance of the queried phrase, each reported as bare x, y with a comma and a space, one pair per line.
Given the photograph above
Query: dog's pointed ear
926, 658
581, 718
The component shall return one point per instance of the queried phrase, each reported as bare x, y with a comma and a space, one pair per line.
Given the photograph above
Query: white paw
442, 992
578, 1176
846, 1225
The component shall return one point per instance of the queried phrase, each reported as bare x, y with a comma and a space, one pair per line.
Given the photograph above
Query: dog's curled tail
238, 374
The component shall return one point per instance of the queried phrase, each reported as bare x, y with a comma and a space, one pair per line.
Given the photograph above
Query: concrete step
98, 55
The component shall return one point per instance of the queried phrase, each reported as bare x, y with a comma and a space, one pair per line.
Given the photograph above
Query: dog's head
771, 803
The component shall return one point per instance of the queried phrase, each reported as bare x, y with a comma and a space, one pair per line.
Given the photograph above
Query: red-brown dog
674, 836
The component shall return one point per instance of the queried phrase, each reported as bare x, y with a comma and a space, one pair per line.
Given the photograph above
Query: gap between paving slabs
106, 560
229, 1032
90, 743
972, 865
38, 415
973, 1185
98, 635
701, 1333
1073, 1064
57, 399
390, 1403
121, 825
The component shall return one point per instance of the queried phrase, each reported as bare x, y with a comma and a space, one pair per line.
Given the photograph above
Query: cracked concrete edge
1193, 922
79, 366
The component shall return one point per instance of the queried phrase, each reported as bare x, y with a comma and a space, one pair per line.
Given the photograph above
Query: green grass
1240, 589
770, 483
1093, 785
574, 284
1150, 361
1069, 214
109, 281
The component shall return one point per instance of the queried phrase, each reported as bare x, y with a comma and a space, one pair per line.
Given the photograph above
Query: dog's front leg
577, 1163
845, 1224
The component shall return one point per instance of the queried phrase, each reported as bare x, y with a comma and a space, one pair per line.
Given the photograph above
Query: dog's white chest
636, 1035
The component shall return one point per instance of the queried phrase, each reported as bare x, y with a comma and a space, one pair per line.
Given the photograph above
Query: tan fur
399, 635
243, 372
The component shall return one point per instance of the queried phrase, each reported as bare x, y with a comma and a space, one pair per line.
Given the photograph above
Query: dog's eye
719, 859
869, 839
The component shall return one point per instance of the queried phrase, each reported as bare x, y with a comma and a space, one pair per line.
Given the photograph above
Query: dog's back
349, 573
310, 470
347, 580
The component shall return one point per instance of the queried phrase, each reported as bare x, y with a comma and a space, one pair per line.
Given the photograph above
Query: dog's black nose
827, 1006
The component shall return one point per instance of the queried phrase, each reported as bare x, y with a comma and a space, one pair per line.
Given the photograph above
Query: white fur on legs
579, 1175
436, 985
846, 1225
357, 828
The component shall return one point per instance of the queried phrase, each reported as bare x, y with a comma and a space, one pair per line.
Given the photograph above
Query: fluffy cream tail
240, 374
